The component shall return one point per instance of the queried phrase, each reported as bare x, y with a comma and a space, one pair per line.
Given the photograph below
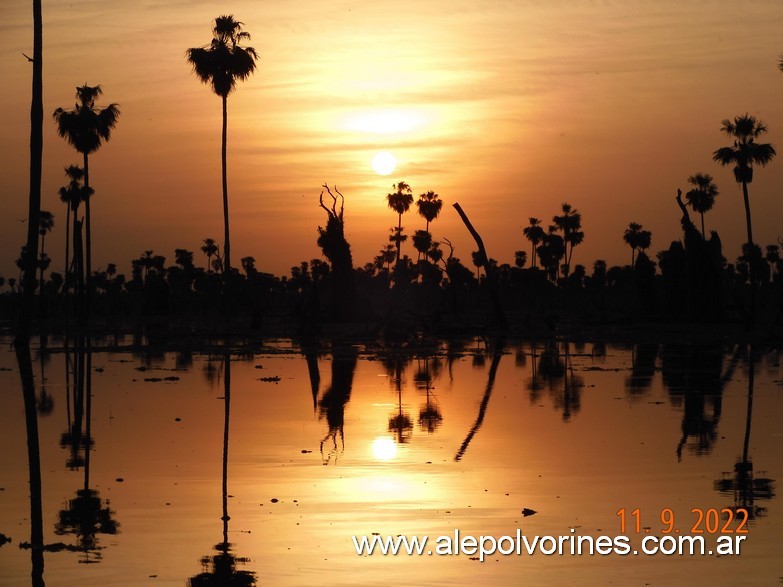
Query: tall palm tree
535, 234
74, 194
744, 153
220, 64
22, 336
400, 201
86, 128
702, 196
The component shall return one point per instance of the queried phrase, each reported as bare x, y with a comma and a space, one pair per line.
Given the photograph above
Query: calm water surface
261, 464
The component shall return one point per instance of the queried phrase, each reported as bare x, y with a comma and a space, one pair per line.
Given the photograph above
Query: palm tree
520, 258
86, 128
535, 234
221, 64
570, 224
702, 196
22, 337
210, 249
45, 225
744, 153
429, 205
400, 201
636, 238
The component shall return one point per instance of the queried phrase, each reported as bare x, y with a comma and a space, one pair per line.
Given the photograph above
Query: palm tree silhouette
535, 234
86, 128
570, 224
636, 238
221, 64
744, 153
429, 205
400, 201
22, 335
72, 195
45, 224
702, 196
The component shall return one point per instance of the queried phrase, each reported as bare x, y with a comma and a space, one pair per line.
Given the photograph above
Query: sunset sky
509, 108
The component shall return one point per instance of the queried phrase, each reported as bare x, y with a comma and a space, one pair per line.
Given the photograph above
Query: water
356, 440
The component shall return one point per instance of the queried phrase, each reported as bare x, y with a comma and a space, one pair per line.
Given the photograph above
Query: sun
383, 163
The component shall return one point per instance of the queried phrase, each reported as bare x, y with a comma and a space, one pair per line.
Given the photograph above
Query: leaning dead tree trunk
337, 250
500, 315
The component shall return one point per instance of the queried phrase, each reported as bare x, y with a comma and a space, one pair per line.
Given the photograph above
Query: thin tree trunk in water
87, 427
226, 239
87, 245
227, 400
34, 463
749, 416
34, 199
488, 271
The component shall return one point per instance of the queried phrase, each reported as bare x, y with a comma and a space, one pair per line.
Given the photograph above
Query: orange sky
508, 108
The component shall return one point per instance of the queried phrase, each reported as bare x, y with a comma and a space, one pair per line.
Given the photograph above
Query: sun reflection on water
384, 448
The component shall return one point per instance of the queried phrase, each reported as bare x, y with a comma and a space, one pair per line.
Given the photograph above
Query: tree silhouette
570, 224
400, 201
45, 225
72, 195
221, 64
744, 153
520, 258
535, 234
335, 247
22, 335
429, 205
702, 197
86, 128
636, 238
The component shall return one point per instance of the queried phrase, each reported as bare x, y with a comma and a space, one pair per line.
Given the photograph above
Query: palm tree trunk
227, 402
747, 212
750, 261
226, 239
749, 413
36, 158
87, 244
67, 249
399, 237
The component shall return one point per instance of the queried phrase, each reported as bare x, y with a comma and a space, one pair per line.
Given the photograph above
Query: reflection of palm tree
332, 403
45, 401
86, 515
692, 376
221, 569
429, 416
744, 486
497, 353
34, 462
86, 128
221, 64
